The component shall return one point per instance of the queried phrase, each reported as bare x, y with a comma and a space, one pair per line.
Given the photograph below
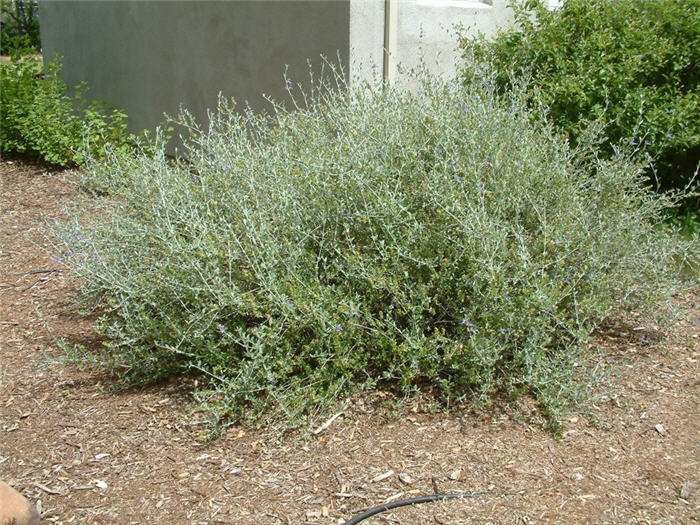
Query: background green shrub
633, 62
438, 240
19, 30
38, 118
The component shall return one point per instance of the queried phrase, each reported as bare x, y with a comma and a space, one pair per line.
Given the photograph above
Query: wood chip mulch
87, 454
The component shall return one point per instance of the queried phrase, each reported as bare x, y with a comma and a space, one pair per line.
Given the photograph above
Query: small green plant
39, 119
632, 63
438, 240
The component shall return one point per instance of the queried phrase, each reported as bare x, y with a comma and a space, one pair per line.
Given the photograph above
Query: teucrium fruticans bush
433, 240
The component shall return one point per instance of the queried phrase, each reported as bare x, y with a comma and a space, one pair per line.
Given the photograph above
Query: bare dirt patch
90, 455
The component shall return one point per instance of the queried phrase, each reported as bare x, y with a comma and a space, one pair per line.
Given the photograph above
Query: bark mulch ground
87, 454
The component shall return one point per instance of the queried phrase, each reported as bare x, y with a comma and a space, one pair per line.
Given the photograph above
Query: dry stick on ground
49, 270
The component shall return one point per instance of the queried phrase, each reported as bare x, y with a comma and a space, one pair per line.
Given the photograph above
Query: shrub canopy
439, 239
632, 63
19, 30
39, 119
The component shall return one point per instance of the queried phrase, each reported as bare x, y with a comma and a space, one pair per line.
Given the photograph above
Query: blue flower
338, 327
221, 328
470, 326
439, 150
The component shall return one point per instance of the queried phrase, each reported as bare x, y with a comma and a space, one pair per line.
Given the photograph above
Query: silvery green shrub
434, 239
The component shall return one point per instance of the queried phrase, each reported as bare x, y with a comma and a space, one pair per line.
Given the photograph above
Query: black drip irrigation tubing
414, 501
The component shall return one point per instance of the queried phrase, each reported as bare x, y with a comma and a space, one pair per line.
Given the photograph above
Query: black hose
412, 501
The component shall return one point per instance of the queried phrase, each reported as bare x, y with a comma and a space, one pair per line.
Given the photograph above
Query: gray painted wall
150, 57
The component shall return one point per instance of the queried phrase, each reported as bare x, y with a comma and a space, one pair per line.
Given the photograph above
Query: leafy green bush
38, 118
635, 62
435, 240
19, 31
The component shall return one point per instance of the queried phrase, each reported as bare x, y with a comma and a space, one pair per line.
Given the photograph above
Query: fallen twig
31, 285
48, 490
327, 423
49, 270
